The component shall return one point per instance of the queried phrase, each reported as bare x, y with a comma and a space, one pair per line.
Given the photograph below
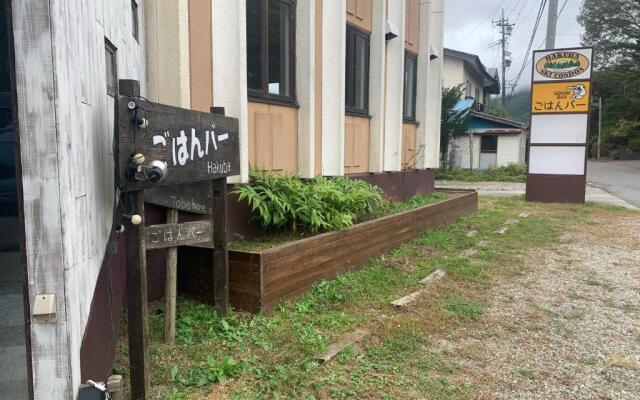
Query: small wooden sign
190, 197
195, 146
172, 235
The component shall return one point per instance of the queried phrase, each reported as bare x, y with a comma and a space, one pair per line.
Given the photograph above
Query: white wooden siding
508, 150
66, 131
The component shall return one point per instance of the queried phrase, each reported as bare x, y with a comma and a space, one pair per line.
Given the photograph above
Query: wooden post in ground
136, 282
170, 286
219, 222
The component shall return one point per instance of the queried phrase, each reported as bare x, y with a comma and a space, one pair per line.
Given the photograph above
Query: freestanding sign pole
560, 106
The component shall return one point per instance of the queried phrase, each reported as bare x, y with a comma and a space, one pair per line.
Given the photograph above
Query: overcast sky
469, 28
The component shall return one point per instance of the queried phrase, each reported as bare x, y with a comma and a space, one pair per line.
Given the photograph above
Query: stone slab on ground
335, 348
426, 282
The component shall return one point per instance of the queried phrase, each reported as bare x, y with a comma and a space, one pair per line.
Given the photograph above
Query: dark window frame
352, 33
135, 20
112, 81
263, 94
493, 145
411, 118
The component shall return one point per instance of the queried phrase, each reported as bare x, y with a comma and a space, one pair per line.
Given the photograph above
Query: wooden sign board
195, 146
560, 97
190, 197
172, 235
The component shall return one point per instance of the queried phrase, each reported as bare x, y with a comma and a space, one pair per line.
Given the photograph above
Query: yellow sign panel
561, 97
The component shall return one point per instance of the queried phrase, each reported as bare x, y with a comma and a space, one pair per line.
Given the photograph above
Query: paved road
621, 178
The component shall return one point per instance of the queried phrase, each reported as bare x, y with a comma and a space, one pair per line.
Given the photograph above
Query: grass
509, 173
280, 238
244, 356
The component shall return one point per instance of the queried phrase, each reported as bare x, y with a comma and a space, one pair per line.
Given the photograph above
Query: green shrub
289, 203
508, 173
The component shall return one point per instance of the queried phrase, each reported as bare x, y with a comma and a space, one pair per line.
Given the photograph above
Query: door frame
20, 193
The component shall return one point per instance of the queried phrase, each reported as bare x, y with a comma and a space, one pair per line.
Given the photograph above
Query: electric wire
527, 53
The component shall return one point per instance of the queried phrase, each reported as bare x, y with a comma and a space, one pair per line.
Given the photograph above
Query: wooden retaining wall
259, 281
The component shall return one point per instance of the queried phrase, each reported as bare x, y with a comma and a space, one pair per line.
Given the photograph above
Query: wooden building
331, 87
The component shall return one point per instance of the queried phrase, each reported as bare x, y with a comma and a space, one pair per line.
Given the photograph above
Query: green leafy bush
289, 203
508, 173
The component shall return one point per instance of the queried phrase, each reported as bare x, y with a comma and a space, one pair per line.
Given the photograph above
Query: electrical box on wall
44, 308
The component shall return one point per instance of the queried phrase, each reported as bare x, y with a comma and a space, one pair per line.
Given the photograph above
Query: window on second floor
409, 94
270, 49
478, 98
357, 72
467, 89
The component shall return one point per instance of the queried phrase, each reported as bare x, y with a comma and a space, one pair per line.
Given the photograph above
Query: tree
453, 122
613, 28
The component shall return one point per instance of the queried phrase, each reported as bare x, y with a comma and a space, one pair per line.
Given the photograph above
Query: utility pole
505, 32
599, 124
552, 23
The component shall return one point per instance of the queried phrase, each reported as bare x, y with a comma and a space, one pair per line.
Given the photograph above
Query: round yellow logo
562, 65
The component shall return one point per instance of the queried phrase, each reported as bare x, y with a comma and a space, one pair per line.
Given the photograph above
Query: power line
490, 16
533, 36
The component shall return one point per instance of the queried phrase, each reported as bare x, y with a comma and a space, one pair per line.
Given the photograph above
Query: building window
467, 89
134, 20
270, 49
410, 79
357, 72
488, 144
111, 65
478, 98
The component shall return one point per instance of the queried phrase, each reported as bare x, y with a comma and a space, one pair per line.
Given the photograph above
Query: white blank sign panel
557, 160
567, 128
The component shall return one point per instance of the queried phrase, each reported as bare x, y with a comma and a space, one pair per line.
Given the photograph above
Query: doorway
13, 349
488, 152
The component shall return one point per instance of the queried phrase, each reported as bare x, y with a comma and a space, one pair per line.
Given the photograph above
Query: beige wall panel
412, 26
318, 83
200, 55
356, 152
273, 138
408, 146
359, 13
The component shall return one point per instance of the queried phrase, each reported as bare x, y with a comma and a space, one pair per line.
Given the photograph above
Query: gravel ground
568, 328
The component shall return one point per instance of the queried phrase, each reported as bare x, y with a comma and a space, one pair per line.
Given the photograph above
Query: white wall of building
229, 42
334, 16
459, 156
68, 166
508, 150
394, 90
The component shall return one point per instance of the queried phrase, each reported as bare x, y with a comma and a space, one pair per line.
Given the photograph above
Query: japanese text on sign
564, 97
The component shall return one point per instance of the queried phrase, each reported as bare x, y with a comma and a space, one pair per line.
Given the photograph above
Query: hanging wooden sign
193, 146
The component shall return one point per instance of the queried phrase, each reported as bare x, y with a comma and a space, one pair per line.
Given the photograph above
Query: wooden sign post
159, 146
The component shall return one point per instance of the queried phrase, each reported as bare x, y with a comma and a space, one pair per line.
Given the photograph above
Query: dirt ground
567, 328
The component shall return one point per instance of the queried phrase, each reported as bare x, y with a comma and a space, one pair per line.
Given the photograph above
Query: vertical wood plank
219, 221
136, 284
170, 286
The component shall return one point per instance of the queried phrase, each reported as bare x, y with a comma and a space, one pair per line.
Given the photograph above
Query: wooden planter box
258, 281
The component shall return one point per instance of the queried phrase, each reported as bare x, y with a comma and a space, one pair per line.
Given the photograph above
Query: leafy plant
321, 204
212, 372
508, 173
